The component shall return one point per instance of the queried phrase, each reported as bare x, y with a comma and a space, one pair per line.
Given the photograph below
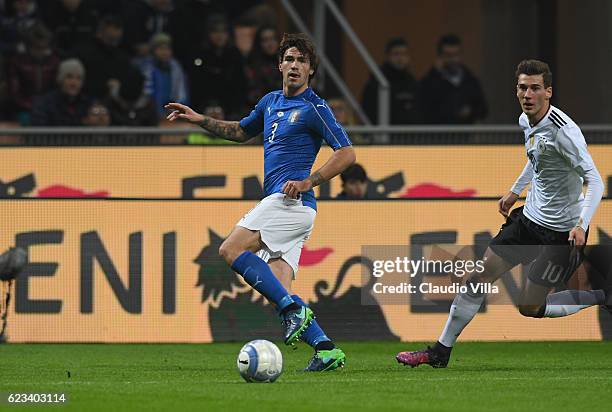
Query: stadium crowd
100, 63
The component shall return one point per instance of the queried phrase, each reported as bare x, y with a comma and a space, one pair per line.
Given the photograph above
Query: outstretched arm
340, 160
224, 129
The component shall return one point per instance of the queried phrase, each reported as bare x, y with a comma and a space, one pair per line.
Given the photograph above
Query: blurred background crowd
116, 63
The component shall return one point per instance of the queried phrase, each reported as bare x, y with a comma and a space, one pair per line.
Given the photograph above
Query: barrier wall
237, 171
148, 270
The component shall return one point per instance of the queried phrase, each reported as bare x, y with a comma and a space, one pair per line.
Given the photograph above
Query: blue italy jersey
293, 129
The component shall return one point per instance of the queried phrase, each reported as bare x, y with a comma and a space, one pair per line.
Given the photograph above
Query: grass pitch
482, 376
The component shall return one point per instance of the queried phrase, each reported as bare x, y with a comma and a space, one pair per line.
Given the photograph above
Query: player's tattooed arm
316, 179
224, 129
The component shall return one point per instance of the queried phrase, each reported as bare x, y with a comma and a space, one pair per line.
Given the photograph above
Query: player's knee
531, 311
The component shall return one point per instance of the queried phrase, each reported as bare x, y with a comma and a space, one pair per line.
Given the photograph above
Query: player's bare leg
238, 251
282, 271
239, 240
537, 301
557, 266
532, 301
462, 311
327, 356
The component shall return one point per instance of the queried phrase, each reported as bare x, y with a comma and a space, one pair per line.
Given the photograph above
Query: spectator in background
217, 73
144, 19
103, 59
164, 77
262, 67
16, 19
32, 73
185, 25
450, 93
97, 115
244, 37
4, 98
403, 86
216, 112
66, 105
345, 116
354, 183
343, 113
128, 104
72, 22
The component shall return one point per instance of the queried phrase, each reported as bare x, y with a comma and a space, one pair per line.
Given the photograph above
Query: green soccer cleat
326, 360
295, 322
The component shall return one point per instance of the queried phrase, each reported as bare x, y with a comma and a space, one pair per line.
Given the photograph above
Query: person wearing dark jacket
449, 93
16, 18
217, 72
403, 86
31, 74
143, 20
262, 65
105, 62
66, 105
72, 22
128, 103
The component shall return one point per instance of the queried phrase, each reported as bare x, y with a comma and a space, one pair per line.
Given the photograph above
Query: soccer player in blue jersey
266, 244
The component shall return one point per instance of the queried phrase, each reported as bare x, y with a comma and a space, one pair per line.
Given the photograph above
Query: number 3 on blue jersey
274, 127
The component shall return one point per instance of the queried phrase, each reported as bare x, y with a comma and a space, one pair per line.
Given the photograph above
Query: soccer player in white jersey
266, 244
555, 217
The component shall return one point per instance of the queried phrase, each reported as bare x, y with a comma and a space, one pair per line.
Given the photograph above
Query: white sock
568, 302
462, 311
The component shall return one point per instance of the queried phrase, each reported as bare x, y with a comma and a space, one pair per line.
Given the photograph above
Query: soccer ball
260, 361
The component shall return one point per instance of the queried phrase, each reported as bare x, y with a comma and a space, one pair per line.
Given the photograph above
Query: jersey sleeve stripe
556, 123
327, 127
554, 115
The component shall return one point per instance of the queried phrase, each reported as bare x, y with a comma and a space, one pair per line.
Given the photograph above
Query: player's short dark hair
532, 67
448, 40
303, 43
395, 42
354, 172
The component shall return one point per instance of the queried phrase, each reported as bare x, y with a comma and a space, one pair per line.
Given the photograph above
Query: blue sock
313, 335
258, 274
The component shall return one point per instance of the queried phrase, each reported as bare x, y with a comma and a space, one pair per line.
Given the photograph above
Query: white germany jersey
559, 158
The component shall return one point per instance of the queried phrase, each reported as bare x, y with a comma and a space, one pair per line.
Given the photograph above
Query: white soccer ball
260, 361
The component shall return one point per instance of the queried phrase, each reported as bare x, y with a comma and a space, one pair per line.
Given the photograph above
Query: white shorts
284, 225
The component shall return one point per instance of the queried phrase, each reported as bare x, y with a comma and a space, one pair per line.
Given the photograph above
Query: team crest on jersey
531, 137
294, 116
542, 145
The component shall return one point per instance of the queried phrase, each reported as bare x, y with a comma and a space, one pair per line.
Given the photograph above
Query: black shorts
521, 240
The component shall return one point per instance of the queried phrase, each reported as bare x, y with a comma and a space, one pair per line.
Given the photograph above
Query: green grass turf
482, 376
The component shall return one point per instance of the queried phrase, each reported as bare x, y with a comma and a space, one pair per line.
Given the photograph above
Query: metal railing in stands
399, 135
